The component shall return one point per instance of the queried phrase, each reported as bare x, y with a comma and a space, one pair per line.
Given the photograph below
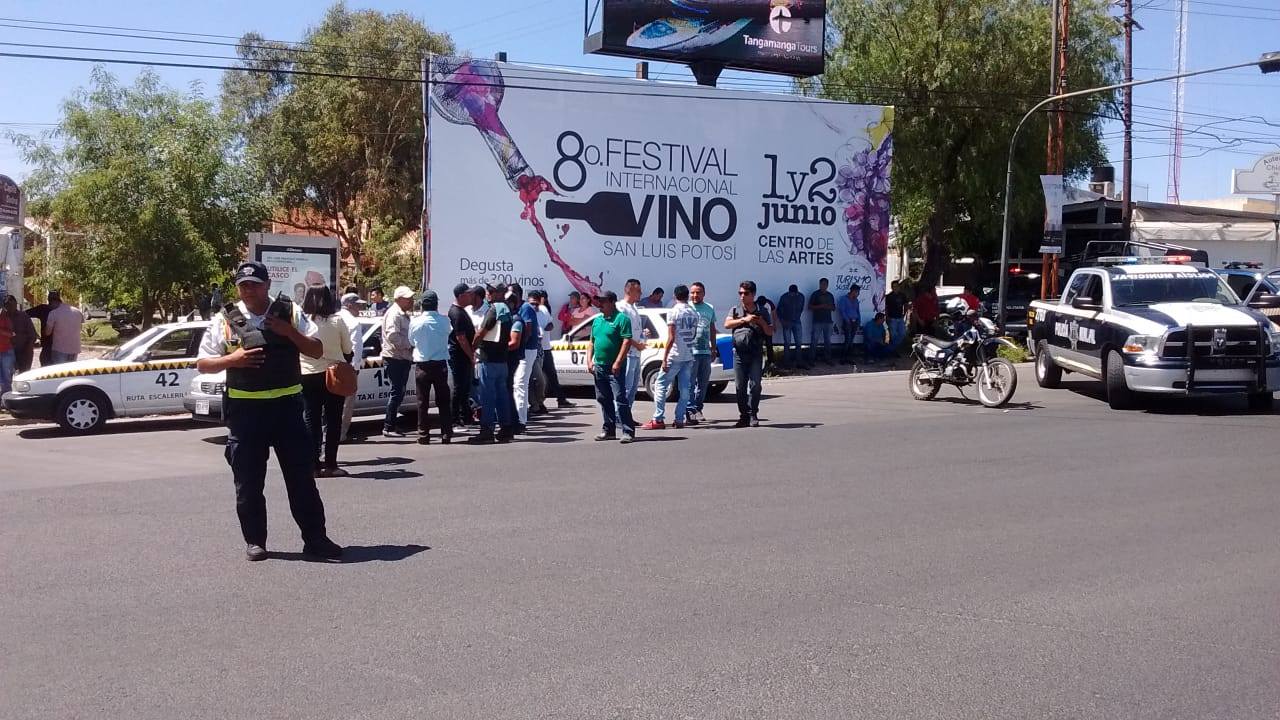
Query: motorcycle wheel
922, 388
996, 382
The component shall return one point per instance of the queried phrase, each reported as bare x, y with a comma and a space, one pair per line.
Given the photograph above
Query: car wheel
1048, 374
1119, 396
1261, 402
82, 410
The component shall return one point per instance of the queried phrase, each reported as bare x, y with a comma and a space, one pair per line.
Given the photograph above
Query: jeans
538, 384
463, 371
520, 383
254, 429
748, 368
397, 372
849, 328
820, 330
699, 380
877, 350
631, 382
495, 405
323, 413
897, 332
428, 376
553, 380
791, 344
609, 391
56, 357
678, 373
8, 361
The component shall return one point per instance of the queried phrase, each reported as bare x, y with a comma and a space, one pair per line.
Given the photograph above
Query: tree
961, 73
339, 154
143, 192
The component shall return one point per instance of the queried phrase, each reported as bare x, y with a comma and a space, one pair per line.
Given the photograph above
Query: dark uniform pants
254, 428
428, 376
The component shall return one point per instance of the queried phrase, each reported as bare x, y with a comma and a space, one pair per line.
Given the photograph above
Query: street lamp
1267, 63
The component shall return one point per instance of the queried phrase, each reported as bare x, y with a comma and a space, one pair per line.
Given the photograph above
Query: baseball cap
252, 271
353, 298
403, 292
609, 295
430, 300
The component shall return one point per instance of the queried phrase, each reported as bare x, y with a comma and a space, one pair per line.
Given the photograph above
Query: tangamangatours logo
780, 18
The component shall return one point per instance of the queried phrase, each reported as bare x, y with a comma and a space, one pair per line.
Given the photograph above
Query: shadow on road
377, 462
360, 554
125, 427
1200, 405
389, 474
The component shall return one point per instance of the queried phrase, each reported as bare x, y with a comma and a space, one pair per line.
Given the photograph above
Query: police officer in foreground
258, 343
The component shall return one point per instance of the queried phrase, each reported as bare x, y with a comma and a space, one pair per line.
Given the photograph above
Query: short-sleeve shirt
529, 325
684, 320
822, 297
895, 305
637, 326
706, 319
64, 327
607, 336
545, 324
214, 342
430, 333
493, 348
460, 321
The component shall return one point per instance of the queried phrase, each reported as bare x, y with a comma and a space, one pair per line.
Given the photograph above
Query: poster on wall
295, 262
562, 190
777, 36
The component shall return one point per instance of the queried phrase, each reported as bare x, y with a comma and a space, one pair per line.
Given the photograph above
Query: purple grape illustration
468, 91
863, 184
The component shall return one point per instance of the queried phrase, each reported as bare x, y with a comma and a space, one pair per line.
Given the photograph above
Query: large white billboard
564, 181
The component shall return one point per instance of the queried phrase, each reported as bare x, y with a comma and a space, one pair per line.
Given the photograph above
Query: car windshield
123, 351
1148, 289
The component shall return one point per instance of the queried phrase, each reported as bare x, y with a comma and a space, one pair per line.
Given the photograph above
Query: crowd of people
58, 336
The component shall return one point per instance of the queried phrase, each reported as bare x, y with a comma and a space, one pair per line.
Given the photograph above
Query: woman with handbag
326, 380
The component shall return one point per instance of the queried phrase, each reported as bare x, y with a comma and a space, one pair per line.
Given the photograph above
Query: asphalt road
861, 556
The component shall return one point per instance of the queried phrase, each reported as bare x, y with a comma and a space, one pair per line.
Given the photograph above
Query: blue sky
1217, 139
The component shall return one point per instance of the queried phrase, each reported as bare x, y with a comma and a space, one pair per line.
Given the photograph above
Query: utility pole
1126, 208
1055, 152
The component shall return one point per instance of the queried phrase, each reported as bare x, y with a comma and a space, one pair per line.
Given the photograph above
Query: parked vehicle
971, 358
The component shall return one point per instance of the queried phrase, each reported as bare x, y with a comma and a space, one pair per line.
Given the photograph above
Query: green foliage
396, 256
345, 154
99, 332
1013, 355
962, 73
144, 194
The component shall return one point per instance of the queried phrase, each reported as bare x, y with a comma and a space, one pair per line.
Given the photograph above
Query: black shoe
392, 433
322, 473
484, 438
519, 429
606, 436
563, 404
335, 472
446, 439
424, 439
742, 422
503, 438
323, 548
254, 553
540, 410
755, 421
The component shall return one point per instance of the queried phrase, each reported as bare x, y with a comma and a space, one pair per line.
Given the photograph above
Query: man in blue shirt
526, 356
429, 334
850, 319
876, 339
791, 318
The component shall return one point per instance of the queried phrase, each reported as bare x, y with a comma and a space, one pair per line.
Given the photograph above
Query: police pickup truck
1153, 325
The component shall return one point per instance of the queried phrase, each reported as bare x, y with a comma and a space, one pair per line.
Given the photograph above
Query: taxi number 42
167, 379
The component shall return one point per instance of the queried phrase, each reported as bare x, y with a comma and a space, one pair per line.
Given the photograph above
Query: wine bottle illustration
468, 91
608, 213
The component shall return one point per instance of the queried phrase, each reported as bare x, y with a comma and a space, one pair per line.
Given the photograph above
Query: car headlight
22, 386
1142, 344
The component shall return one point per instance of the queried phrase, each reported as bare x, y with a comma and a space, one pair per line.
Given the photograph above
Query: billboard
558, 189
10, 202
295, 262
777, 36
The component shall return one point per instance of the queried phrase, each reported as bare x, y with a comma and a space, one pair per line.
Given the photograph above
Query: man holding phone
259, 343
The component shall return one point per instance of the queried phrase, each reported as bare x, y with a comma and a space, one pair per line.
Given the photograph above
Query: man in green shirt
610, 341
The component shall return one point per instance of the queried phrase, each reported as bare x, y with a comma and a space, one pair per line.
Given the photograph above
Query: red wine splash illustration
469, 91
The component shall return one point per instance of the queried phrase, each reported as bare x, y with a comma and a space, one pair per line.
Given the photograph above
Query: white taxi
204, 395
574, 368
147, 375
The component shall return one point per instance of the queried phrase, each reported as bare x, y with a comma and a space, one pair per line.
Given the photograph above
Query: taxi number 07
578, 358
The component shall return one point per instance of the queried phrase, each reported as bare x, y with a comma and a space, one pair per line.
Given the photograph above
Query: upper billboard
777, 36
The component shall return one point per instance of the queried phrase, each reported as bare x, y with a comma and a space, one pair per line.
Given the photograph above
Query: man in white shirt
350, 314
677, 361
397, 355
631, 376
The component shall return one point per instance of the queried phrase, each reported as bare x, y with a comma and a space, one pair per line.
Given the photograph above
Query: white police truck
1157, 325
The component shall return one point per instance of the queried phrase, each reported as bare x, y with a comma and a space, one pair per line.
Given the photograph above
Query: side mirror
1084, 303
1264, 301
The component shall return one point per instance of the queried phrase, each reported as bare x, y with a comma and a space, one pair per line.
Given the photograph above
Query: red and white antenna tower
1179, 93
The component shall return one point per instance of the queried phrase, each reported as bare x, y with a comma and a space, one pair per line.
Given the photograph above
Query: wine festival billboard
777, 36
563, 181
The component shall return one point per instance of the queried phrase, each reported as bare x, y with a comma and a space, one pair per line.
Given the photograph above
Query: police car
573, 367
147, 375
204, 395
1152, 325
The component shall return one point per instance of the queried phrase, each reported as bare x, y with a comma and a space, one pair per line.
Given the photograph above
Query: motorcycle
972, 358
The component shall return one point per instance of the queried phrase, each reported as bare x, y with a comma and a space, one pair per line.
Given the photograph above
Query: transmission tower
1179, 94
